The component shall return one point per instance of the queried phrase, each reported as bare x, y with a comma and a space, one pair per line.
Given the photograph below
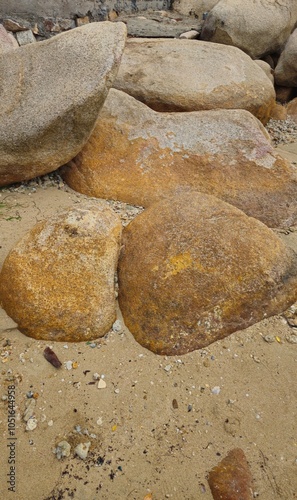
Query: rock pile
181, 134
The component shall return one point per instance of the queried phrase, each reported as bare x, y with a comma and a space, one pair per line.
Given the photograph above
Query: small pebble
216, 390
101, 384
269, 339
63, 449
68, 365
167, 368
31, 424
117, 391
291, 338
96, 376
82, 450
117, 326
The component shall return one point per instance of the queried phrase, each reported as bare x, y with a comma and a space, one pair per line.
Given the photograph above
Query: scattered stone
31, 424
101, 384
189, 35
258, 28
82, 450
25, 37
291, 338
174, 404
51, 357
48, 279
46, 121
117, 326
68, 365
16, 25
216, 390
198, 264
151, 71
62, 450
269, 338
167, 368
231, 479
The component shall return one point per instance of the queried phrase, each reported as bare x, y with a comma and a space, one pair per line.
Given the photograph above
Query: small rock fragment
231, 479
51, 357
216, 390
189, 35
174, 404
291, 338
63, 449
31, 424
30, 409
101, 384
68, 365
82, 450
117, 326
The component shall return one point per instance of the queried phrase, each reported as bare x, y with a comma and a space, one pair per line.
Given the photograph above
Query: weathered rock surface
194, 269
186, 75
57, 283
51, 96
7, 41
258, 28
231, 479
138, 156
194, 8
286, 68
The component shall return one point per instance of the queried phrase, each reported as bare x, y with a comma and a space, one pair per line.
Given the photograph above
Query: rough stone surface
292, 109
258, 28
194, 8
7, 41
51, 94
25, 37
213, 76
266, 68
138, 156
194, 269
286, 68
231, 479
57, 283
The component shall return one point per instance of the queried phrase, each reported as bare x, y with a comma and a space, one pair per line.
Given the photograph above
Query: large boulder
258, 28
51, 93
187, 75
138, 156
285, 73
194, 269
57, 283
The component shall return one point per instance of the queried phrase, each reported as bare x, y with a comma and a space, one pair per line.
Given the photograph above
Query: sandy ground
161, 423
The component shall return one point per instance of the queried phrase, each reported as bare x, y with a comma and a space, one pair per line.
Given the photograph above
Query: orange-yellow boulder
57, 283
138, 156
194, 269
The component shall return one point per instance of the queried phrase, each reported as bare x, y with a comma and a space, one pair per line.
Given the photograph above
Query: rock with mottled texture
186, 75
51, 96
231, 479
138, 156
286, 68
193, 8
7, 41
57, 283
194, 269
258, 28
